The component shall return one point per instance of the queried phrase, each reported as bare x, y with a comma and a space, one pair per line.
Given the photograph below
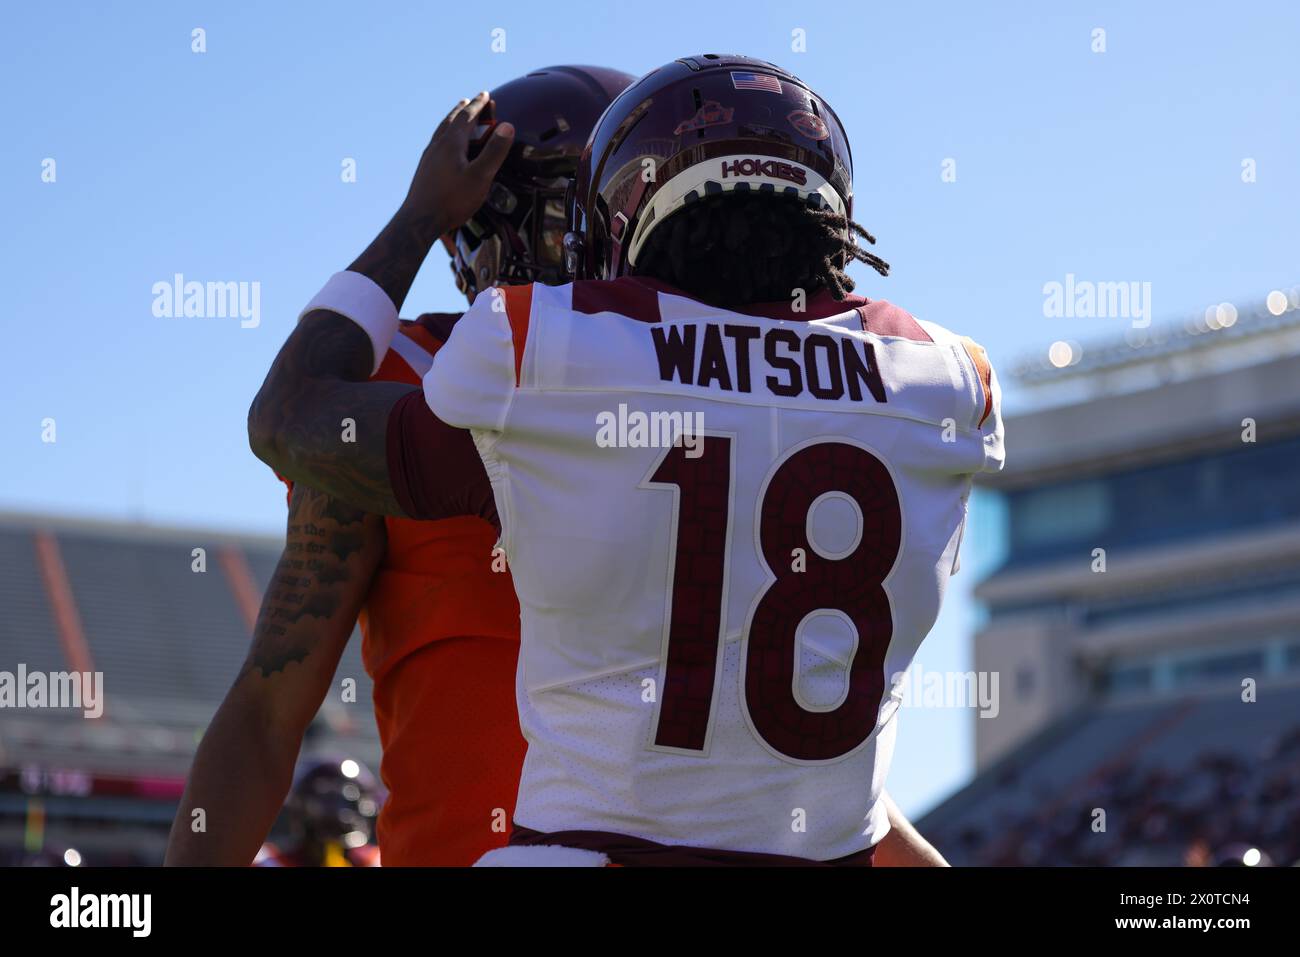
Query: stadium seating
169, 641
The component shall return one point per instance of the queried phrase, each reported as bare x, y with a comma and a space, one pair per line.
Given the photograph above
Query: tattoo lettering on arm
318, 421
330, 554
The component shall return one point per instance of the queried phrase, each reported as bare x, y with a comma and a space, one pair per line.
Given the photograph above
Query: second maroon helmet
699, 126
516, 236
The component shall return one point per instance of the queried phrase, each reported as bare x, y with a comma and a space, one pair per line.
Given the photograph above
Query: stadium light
1060, 354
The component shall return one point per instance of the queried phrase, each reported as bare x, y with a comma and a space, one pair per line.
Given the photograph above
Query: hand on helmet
447, 182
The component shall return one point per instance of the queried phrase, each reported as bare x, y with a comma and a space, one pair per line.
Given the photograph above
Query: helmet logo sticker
756, 81
712, 113
809, 124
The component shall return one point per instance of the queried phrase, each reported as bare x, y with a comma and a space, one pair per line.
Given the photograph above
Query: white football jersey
728, 535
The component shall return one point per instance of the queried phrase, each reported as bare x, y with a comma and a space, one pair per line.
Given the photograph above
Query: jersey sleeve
472, 380
981, 411
434, 468
990, 412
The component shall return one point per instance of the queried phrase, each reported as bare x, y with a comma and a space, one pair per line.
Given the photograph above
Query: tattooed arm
245, 762
316, 418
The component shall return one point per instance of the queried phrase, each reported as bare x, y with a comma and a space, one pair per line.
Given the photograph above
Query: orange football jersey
440, 634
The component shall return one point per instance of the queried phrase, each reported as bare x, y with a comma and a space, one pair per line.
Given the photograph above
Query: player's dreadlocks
744, 247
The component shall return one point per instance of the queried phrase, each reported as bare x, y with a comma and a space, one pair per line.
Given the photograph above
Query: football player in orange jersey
440, 622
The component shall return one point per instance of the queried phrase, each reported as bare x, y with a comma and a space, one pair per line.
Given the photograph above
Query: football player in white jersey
730, 491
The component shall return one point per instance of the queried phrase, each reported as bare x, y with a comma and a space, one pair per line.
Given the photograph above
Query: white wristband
360, 299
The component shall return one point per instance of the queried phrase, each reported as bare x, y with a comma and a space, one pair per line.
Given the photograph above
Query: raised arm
317, 419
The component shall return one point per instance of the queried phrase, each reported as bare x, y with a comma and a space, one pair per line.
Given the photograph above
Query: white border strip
672, 195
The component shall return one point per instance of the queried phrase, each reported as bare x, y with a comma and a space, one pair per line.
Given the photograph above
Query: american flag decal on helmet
755, 81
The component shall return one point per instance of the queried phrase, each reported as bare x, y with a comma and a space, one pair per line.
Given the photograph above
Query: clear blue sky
225, 165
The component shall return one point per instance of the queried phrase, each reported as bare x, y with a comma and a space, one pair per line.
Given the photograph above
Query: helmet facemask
516, 237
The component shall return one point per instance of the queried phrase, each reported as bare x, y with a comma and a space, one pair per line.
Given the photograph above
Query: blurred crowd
1222, 809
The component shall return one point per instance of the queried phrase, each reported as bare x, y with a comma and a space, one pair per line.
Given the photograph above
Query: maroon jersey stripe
635, 298
434, 469
885, 319
627, 851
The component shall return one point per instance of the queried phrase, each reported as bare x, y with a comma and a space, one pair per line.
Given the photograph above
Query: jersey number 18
803, 581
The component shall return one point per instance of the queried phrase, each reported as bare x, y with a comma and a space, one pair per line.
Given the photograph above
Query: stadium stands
127, 600
1177, 781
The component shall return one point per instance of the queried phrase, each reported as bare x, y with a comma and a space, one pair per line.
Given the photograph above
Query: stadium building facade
1144, 612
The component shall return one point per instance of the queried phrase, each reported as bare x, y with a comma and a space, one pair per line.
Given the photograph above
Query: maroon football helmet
517, 235
701, 125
